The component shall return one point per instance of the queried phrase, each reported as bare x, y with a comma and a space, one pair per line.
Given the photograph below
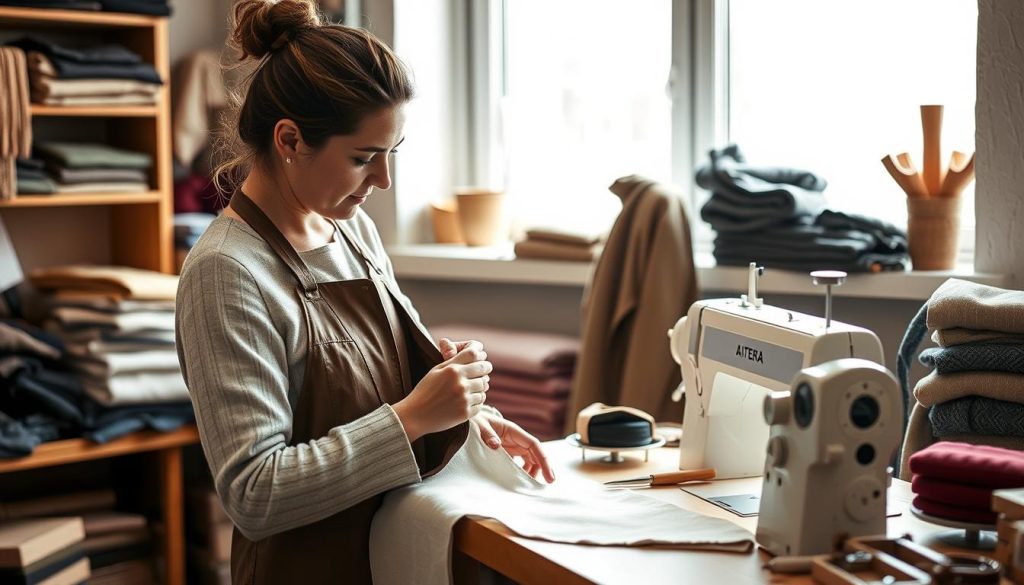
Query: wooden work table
486, 542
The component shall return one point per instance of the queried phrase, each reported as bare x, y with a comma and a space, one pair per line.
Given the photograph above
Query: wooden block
1002, 553
1004, 528
1009, 503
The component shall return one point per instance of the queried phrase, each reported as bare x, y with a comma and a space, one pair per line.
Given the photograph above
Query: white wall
198, 24
999, 137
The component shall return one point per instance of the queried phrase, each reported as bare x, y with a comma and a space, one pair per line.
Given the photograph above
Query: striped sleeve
235, 365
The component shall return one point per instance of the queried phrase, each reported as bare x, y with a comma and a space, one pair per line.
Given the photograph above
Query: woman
315, 387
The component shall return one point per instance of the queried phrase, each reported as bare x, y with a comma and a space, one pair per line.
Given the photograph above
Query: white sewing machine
733, 353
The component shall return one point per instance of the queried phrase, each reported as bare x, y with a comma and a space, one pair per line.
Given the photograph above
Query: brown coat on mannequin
644, 281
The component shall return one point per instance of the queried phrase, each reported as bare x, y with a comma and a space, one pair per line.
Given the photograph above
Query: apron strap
259, 221
357, 245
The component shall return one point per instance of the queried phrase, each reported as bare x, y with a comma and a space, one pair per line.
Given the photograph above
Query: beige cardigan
644, 281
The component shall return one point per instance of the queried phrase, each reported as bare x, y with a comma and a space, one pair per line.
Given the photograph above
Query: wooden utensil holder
933, 231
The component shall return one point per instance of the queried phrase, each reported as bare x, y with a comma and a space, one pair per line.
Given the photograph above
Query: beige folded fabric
962, 304
113, 540
46, 87
105, 100
199, 92
132, 283
554, 251
960, 336
935, 388
111, 521
919, 435
106, 187
564, 236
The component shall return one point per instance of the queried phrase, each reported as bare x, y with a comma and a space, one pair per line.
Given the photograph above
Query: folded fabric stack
532, 374
187, 229
94, 168
955, 481
32, 179
209, 531
116, 543
975, 393
776, 216
559, 244
118, 324
42, 399
149, 7
106, 75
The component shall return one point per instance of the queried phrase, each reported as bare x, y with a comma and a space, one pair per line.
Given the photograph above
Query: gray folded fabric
84, 155
96, 175
976, 415
42, 186
993, 357
746, 198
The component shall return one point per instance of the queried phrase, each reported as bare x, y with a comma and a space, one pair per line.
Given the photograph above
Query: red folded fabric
525, 352
556, 386
951, 512
949, 492
977, 465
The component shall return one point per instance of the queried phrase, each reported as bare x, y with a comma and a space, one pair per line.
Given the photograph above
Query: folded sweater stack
532, 374
955, 481
975, 393
777, 216
106, 75
559, 244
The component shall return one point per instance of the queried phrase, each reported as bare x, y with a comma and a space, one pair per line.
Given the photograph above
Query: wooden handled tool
960, 173
668, 478
902, 170
931, 126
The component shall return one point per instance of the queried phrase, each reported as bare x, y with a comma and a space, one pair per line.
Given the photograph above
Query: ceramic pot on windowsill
482, 216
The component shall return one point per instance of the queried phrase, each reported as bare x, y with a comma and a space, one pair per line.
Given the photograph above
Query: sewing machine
734, 352
834, 433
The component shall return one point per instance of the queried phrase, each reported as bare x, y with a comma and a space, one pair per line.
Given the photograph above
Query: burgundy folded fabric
977, 465
949, 492
522, 352
551, 387
951, 512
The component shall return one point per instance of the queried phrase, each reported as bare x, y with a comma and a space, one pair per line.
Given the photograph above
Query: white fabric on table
415, 522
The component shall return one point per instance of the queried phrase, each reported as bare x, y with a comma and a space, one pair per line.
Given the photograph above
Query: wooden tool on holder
933, 180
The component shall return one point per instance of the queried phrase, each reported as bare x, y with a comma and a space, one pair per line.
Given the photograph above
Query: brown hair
324, 77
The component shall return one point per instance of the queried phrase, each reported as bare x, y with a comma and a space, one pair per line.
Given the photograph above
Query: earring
288, 160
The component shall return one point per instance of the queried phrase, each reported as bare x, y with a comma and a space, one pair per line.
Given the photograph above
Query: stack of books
209, 534
43, 550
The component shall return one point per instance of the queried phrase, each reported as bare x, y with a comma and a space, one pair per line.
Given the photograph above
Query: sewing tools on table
733, 353
834, 433
662, 479
899, 560
614, 429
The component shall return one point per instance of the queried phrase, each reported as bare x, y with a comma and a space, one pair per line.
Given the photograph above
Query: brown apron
364, 350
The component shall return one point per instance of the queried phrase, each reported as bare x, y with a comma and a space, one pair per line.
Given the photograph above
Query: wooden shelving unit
137, 227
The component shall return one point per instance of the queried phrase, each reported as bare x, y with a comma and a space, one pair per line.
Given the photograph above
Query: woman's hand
452, 392
498, 432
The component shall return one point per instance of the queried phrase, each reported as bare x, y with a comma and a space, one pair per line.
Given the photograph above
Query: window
582, 101
834, 86
582, 96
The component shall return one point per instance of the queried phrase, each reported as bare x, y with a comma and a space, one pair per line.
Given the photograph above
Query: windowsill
445, 262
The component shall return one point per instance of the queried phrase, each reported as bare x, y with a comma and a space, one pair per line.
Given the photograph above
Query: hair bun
261, 26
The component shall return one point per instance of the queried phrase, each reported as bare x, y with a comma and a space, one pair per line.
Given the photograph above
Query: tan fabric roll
46, 87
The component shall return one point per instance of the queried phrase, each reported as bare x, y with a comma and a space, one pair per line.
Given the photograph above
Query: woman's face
336, 178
